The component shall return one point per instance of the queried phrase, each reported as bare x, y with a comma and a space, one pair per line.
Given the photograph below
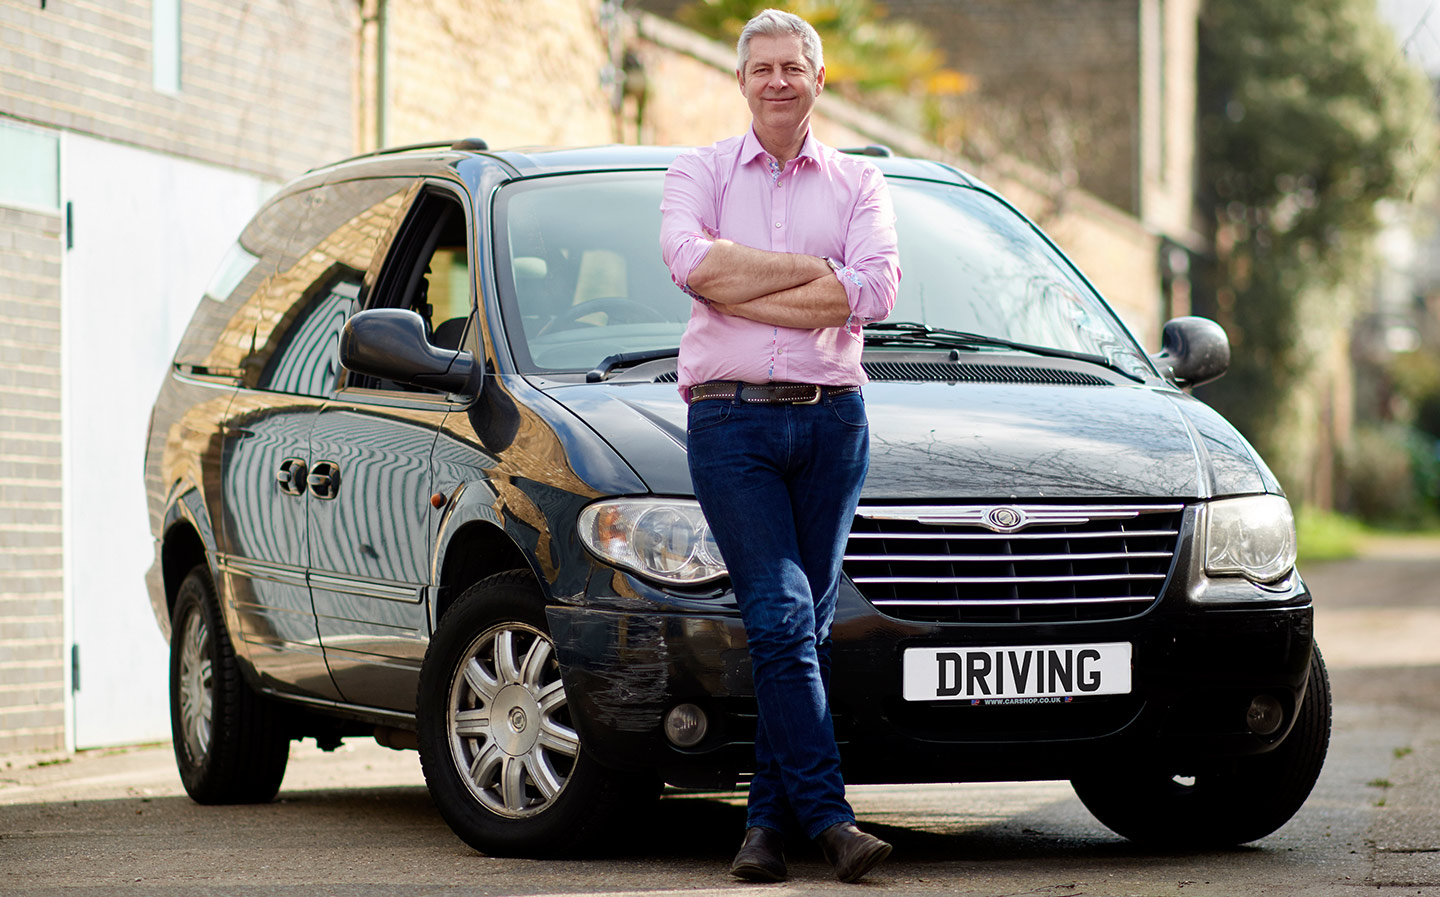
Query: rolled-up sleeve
687, 218
871, 266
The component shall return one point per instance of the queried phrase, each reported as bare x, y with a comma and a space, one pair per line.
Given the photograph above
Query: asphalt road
358, 822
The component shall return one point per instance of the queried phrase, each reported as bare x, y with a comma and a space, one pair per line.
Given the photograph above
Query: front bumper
1195, 671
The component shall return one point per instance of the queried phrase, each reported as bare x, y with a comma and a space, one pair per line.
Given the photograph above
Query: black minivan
418, 473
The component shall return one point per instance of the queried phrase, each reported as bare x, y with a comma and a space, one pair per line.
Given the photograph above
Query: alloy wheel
196, 686
508, 721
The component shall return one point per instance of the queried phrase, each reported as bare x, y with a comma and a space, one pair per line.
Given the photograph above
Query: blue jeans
779, 485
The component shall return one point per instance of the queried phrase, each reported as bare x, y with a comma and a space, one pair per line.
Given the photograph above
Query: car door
372, 527
268, 473
265, 438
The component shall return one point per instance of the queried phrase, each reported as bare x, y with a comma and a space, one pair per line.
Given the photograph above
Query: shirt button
777, 224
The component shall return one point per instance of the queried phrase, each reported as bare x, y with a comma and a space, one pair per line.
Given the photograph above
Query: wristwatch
834, 265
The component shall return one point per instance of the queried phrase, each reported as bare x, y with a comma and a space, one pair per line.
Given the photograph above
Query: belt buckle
819, 390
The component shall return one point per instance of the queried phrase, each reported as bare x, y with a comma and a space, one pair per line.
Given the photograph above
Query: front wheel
229, 745
501, 756
1242, 802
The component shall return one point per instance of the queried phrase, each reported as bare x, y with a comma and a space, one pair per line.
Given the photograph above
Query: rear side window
222, 330
300, 310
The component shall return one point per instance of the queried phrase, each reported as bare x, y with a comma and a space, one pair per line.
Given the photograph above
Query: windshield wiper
627, 359
908, 333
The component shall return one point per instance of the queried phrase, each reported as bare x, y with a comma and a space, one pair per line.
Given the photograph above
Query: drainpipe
382, 74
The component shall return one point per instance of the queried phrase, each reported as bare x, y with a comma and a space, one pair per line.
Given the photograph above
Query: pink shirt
822, 203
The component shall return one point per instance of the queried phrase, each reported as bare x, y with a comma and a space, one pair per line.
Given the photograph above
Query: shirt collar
750, 148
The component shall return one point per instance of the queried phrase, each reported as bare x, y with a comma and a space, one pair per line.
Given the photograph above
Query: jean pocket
708, 413
849, 409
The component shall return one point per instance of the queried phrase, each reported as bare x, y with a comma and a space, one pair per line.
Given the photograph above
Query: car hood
977, 441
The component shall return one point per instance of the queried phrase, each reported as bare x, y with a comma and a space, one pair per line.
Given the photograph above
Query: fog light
1265, 715
686, 725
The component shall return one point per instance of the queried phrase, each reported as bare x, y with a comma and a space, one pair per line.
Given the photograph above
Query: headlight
1253, 537
665, 539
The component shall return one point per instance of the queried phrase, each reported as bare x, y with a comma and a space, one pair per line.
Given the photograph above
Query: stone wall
692, 98
514, 74
1100, 92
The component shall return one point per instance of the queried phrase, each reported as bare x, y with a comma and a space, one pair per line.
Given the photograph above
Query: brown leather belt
767, 393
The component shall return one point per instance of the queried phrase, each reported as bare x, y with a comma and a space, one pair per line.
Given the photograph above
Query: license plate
1013, 674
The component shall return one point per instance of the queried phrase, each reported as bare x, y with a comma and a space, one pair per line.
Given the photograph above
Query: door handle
324, 479
291, 476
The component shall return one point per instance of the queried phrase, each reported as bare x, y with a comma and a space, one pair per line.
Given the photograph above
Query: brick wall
266, 85
32, 697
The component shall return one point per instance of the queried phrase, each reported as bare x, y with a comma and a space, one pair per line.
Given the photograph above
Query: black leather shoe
761, 856
851, 851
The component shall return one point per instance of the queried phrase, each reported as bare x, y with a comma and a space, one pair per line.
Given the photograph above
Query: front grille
1012, 563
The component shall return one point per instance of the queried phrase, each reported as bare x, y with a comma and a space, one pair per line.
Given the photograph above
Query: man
788, 248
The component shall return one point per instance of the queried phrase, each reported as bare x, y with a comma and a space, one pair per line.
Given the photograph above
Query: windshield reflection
581, 277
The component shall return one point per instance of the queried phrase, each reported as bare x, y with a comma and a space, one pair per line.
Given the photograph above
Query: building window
30, 177
165, 45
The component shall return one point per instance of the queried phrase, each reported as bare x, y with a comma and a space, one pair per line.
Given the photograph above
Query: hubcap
510, 732
195, 686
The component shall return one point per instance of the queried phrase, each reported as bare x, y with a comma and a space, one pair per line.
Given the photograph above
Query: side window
221, 333
307, 360
300, 310
428, 272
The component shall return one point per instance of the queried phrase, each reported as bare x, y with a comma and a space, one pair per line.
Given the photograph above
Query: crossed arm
780, 288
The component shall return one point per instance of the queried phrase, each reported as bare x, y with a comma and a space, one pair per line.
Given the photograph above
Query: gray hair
777, 23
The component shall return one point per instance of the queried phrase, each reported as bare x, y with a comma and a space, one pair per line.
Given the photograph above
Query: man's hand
732, 272
820, 302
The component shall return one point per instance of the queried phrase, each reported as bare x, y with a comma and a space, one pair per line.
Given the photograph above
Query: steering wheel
617, 309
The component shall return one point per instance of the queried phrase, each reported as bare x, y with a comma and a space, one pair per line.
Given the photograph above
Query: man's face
778, 82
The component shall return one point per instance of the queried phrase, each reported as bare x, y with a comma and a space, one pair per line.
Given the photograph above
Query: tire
1242, 802
501, 757
229, 745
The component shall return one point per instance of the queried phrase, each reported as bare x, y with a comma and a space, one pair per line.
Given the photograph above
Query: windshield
581, 277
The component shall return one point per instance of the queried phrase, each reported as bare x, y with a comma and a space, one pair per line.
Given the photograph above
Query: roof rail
464, 143
874, 149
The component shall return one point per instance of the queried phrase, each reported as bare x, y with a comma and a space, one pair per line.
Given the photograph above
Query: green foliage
1326, 536
1415, 383
1392, 476
1309, 115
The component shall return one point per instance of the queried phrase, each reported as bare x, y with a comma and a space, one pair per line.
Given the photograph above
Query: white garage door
146, 232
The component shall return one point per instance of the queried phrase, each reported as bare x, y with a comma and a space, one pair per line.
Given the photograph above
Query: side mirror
390, 343
1193, 351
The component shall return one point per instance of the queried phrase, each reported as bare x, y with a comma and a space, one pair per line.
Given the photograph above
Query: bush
1326, 536
1392, 476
